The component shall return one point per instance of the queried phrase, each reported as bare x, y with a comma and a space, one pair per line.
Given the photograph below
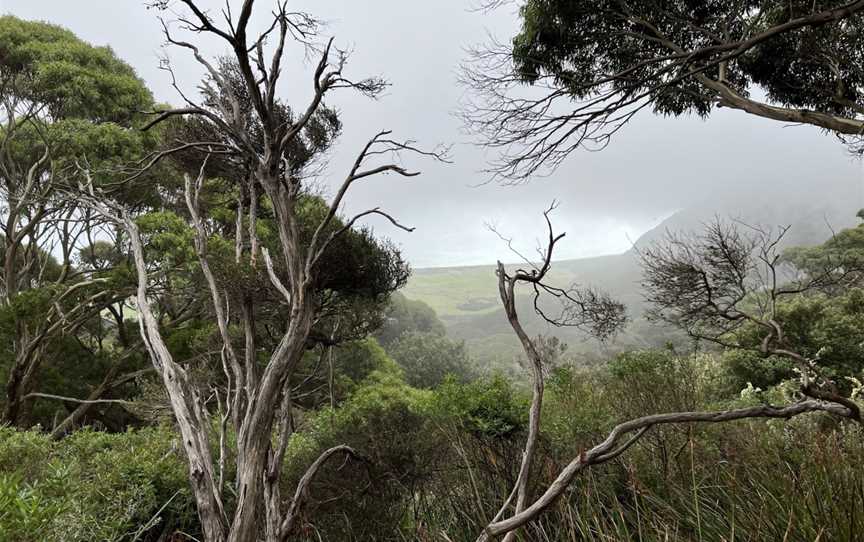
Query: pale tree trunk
254, 441
22, 376
506, 290
258, 397
191, 418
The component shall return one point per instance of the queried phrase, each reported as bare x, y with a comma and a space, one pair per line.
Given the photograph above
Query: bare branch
569, 107
301, 492
610, 315
377, 145
610, 448
80, 401
273, 278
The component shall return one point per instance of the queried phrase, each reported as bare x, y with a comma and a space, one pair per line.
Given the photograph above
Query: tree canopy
48, 65
65, 104
595, 64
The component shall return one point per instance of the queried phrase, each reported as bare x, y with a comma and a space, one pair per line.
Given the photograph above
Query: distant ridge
465, 297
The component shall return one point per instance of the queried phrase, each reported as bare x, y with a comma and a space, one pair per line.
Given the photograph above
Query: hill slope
466, 298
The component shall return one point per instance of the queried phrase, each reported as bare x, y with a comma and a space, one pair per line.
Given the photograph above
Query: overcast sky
654, 167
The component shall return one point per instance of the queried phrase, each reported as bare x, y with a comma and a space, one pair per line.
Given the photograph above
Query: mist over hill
466, 298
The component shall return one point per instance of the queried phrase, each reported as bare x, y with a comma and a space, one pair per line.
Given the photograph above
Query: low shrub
93, 486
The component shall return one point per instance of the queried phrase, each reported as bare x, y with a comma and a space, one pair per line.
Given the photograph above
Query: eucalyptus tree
63, 101
593, 65
245, 137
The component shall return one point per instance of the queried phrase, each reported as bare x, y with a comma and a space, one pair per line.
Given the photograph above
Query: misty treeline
199, 344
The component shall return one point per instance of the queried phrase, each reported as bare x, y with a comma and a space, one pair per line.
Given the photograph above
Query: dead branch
303, 486
606, 317
703, 282
79, 401
610, 448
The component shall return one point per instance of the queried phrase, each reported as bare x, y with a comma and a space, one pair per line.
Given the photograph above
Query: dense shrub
370, 498
428, 358
93, 486
443, 460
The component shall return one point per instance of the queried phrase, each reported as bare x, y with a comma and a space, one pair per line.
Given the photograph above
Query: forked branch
606, 316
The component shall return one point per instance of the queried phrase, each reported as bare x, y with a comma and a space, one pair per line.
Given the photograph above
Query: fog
654, 167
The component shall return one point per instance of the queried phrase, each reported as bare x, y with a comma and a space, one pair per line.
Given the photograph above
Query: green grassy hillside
457, 293
466, 298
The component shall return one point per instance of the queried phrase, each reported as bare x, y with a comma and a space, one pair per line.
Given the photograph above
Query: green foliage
25, 515
444, 459
320, 132
791, 67
73, 368
356, 263
829, 329
749, 367
359, 359
416, 445
844, 249
582, 44
582, 405
353, 364
93, 486
84, 103
404, 315
649, 382
428, 358
387, 423
487, 407
67, 105
353, 279
169, 235
27, 306
726, 483
574, 407
74, 79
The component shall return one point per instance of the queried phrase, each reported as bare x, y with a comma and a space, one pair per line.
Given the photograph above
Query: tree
583, 308
408, 315
737, 290
594, 65
416, 339
843, 251
241, 124
428, 358
729, 288
705, 285
63, 101
828, 329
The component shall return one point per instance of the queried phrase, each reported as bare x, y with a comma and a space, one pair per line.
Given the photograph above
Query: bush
747, 480
443, 460
93, 486
489, 407
748, 367
25, 514
386, 422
